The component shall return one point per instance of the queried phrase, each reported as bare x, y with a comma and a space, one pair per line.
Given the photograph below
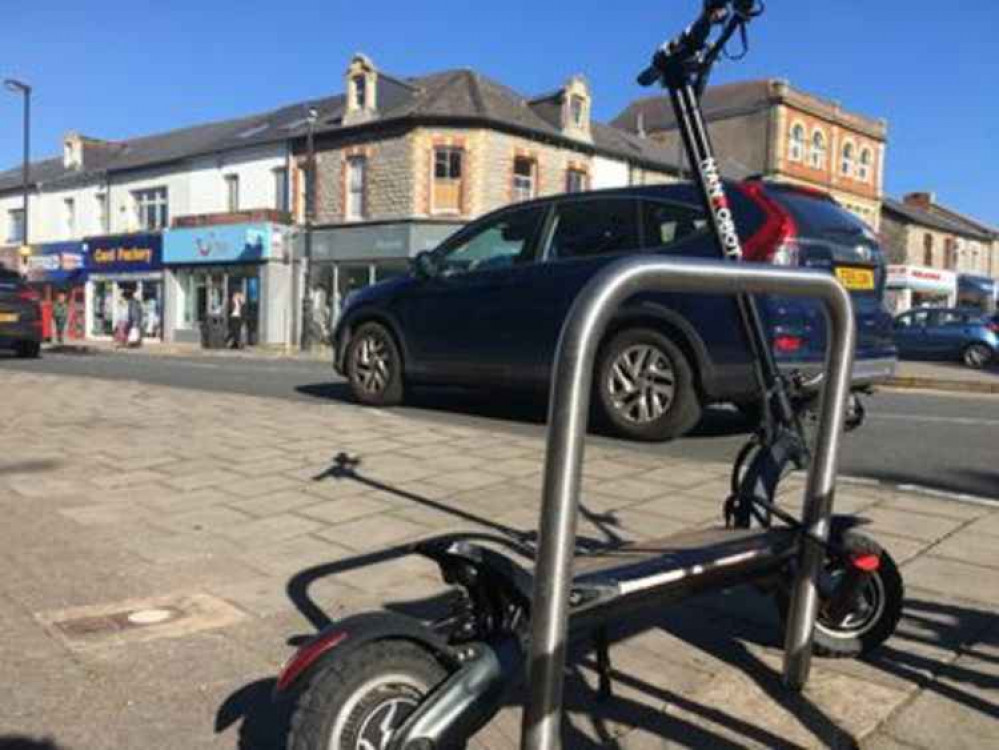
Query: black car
486, 307
20, 316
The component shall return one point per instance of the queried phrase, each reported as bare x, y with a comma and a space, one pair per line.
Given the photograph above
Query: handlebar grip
648, 76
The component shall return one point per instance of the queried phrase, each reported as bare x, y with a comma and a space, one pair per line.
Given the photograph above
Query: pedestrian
121, 321
134, 320
236, 303
60, 314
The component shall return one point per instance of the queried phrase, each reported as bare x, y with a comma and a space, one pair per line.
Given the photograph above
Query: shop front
918, 286
350, 257
56, 269
209, 265
119, 266
977, 291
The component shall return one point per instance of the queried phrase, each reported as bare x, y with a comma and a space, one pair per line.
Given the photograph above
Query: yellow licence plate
9, 317
858, 279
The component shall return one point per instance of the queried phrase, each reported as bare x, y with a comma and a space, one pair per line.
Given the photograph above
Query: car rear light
777, 240
994, 327
787, 344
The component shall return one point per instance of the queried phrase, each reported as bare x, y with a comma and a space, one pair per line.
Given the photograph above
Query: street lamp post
19, 87
310, 212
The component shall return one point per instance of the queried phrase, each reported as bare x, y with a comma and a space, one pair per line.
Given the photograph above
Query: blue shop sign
57, 263
125, 253
236, 243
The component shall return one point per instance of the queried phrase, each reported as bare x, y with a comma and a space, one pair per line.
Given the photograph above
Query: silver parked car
20, 316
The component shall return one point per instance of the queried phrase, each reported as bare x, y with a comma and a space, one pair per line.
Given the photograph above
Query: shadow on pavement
18, 742
30, 467
965, 481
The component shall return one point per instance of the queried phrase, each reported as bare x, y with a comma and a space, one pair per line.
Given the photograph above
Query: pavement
163, 547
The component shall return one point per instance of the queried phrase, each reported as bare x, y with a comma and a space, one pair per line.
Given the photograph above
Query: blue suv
486, 307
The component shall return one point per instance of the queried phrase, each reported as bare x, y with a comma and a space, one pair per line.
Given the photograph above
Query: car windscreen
820, 216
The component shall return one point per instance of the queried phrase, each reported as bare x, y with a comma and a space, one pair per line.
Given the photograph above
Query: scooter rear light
866, 563
787, 344
776, 241
306, 656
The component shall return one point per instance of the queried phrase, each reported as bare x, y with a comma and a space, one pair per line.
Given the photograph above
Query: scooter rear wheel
877, 611
357, 701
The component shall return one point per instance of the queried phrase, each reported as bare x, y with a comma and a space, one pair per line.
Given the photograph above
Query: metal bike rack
567, 420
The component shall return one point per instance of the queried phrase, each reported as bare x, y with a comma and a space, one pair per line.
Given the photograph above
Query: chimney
640, 124
924, 201
72, 150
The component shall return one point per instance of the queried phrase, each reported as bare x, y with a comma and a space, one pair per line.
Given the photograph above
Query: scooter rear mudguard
352, 633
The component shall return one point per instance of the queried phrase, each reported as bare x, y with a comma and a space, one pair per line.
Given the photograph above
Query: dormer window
360, 85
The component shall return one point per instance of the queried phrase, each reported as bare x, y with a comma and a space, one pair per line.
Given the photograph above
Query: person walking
60, 314
134, 335
236, 304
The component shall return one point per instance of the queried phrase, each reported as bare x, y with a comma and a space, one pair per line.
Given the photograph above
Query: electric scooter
385, 680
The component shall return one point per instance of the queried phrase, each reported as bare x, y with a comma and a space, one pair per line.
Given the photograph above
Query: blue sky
113, 69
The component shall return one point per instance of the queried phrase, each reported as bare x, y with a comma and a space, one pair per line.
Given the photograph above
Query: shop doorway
110, 306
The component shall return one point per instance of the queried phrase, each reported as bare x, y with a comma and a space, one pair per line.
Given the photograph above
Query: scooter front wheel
875, 614
356, 702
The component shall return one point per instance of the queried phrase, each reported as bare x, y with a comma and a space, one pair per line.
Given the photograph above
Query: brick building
769, 128
936, 256
402, 163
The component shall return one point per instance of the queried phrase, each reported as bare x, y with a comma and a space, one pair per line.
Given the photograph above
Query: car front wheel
645, 386
374, 366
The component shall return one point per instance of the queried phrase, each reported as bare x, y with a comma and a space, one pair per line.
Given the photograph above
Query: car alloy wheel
977, 356
372, 363
641, 383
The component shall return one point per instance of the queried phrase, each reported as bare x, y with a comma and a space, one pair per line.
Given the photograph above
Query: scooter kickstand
602, 644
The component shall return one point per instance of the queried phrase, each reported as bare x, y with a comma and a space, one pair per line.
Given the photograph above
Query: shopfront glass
109, 305
207, 293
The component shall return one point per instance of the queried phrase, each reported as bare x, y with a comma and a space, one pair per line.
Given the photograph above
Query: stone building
771, 129
403, 162
935, 256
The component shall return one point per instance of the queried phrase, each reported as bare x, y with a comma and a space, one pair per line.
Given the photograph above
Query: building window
69, 205
928, 249
817, 158
360, 92
577, 109
447, 179
101, 204
281, 189
796, 145
950, 251
524, 178
864, 170
232, 193
15, 226
847, 165
575, 181
151, 208
357, 180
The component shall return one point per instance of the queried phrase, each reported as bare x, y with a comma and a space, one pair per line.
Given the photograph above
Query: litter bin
213, 332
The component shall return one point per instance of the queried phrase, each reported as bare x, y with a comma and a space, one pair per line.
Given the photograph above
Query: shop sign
236, 243
127, 253
56, 263
921, 279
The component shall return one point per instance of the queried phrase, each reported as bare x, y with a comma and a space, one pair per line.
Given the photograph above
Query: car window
503, 242
595, 227
950, 318
669, 222
920, 318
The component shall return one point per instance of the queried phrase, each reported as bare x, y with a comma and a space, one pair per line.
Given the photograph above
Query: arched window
928, 249
818, 154
847, 163
796, 145
864, 170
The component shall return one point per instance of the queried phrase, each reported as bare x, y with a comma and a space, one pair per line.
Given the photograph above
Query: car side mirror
423, 265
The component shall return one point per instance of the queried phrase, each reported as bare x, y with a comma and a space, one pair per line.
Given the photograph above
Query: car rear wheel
374, 366
645, 386
29, 350
976, 356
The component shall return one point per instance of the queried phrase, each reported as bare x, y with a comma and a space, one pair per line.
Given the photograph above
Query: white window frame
356, 187
460, 180
359, 84
848, 159
797, 147
525, 186
152, 208
231, 181
818, 153
101, 200
13, 223
583, 177
864, 164
577, 109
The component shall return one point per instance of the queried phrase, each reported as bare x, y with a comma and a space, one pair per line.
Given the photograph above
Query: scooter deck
678, 565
